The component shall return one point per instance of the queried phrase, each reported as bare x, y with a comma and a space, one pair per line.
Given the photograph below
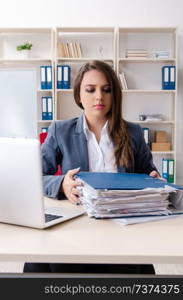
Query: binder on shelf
46, 77
43, 77
168, 77
171, 170
63, 77
146, 135
66, 75
44, 129
47, 108
168, 169
44, 108
49, 77
59, 77
50, 108
165, 168
172, 77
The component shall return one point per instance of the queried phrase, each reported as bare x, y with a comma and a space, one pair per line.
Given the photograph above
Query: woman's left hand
155, 174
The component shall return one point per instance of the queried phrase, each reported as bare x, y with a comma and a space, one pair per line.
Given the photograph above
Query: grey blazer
66, 145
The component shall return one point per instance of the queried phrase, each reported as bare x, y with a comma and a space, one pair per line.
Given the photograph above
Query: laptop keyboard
49, 217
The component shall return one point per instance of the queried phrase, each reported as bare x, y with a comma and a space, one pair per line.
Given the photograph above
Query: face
95, 94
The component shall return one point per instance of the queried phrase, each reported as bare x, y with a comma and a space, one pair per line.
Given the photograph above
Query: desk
86, 240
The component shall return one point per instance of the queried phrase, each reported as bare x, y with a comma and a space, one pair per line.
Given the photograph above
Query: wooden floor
16, 267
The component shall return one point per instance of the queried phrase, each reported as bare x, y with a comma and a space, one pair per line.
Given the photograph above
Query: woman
99, 140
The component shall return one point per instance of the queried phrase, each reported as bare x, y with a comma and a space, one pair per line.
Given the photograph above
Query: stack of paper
114, 195
136, 53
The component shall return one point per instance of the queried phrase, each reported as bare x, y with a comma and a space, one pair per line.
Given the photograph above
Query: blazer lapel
81, 145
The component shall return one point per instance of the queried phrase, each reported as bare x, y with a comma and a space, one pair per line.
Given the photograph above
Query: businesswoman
99, 140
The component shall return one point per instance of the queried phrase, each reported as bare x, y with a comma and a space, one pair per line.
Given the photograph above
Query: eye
90, 90
107, 90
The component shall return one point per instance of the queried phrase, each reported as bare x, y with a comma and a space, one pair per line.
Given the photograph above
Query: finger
75, 191
154, 174
74, 199
72, 172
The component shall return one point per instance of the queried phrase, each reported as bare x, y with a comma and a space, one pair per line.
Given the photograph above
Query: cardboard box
160, 146
161, 136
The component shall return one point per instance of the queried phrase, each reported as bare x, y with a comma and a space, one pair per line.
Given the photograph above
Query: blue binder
122, 181
49, 77
49, 108
172, 77
44, 129
44, 108
165, 168
168, 77
146, 135
43, 77
59, 77
66, 77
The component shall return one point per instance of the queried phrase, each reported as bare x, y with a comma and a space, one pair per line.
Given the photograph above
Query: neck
95, 125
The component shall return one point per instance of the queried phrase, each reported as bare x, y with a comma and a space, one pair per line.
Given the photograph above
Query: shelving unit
96, 43
143, 75
144, 94
42, 53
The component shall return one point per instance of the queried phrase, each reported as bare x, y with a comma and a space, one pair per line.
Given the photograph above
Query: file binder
165, 78
171, 170
66, 70
49, 108
44, 129
168, 77
168, 169
123, 181
165, 168
146, 135
49, 77
43, 77
59, 77
172, 77
44, 108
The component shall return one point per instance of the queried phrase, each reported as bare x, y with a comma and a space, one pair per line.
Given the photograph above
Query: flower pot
24, 54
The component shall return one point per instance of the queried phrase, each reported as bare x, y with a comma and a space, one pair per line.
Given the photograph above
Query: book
123, 81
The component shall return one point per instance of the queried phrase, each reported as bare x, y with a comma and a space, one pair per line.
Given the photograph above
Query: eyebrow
107, 84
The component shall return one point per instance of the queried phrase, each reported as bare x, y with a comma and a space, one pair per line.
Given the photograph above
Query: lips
99, 106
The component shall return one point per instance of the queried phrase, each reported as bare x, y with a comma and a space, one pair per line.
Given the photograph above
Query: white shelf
162, 152
82, 59
26, 61
65, 90
148, 60
44, 121
149, 91
45, 91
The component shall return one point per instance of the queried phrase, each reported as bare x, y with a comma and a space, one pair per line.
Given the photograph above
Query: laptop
21, 187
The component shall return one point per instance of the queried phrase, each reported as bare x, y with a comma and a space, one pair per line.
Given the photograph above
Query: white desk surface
86, 240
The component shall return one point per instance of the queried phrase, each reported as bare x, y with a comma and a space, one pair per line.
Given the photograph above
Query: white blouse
101, 155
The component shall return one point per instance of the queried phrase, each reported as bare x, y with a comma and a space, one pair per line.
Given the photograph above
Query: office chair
42, 137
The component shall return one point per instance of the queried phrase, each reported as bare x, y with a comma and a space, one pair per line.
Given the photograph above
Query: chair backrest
42, 137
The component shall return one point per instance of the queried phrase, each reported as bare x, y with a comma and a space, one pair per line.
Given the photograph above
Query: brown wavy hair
117, 125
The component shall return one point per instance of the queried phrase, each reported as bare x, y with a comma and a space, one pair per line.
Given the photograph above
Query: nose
98, 94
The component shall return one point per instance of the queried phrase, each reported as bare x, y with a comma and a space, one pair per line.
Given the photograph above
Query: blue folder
43, 77
168, 77
122, 181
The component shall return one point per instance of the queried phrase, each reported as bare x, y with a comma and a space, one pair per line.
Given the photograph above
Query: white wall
49, 13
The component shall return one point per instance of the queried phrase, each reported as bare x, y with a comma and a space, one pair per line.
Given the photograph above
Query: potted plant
24, 49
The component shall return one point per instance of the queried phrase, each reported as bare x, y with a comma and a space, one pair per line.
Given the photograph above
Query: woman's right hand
69, 185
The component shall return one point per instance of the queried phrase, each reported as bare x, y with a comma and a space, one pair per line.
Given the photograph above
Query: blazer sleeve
143, 157
51, 158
